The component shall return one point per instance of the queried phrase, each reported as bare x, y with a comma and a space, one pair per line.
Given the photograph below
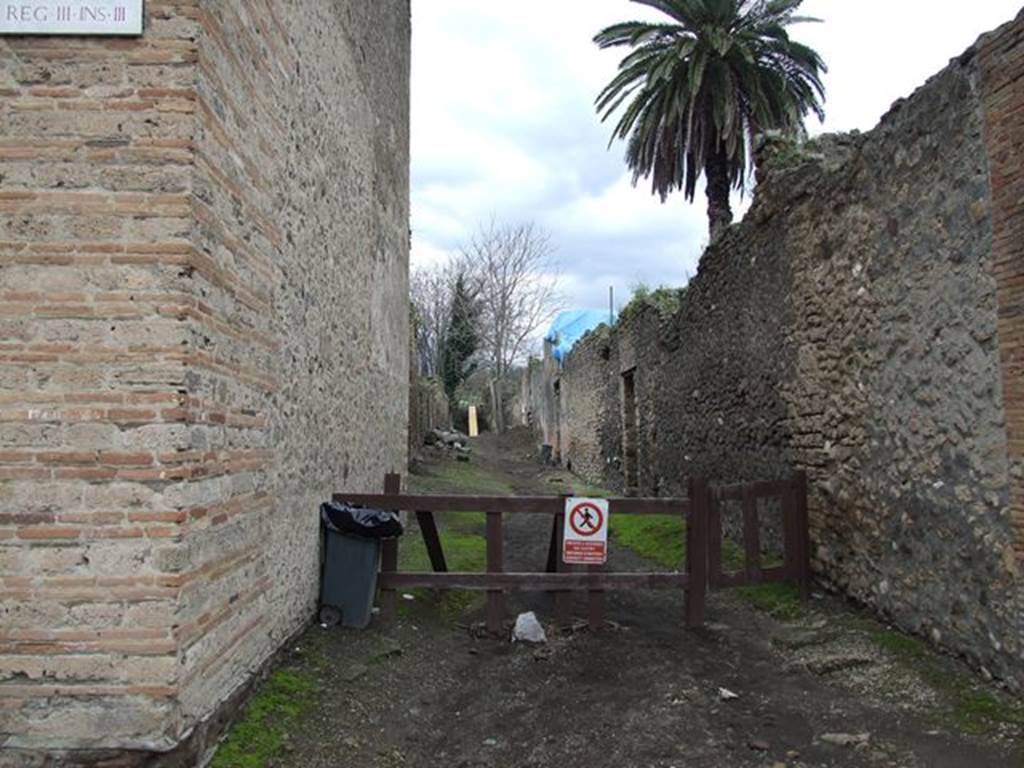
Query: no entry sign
585, 538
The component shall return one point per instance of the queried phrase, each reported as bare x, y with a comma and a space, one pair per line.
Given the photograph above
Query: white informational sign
71, 17
585, 537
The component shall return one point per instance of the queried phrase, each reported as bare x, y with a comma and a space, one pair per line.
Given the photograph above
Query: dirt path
427, 691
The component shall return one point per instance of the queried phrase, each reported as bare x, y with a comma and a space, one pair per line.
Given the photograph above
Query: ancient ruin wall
94, 235
591, 421
205, 324
861, 323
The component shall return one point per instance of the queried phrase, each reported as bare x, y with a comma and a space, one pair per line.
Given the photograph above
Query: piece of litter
407, 596
845, 739
528, 629
726, 695
323, 626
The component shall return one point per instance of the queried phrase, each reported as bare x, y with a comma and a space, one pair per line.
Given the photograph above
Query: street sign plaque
71, 17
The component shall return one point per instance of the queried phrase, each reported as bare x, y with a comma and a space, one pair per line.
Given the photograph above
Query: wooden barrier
703, 544
792, 494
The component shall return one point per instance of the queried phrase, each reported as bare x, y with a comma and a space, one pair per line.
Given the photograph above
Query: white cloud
503, 123
425, 254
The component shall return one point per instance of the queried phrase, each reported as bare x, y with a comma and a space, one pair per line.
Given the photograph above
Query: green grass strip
272, 713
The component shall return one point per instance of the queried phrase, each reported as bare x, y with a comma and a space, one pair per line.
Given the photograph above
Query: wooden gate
703, 546
791, 495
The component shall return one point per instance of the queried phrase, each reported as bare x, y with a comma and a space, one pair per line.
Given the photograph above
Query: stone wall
863, 323
590, 415
540, 404
428, 409
204, 321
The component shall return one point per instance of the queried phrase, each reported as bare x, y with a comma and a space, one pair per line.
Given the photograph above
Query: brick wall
204, 329
1002, 65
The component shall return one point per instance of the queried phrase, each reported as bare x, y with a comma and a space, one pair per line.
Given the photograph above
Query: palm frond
702, 83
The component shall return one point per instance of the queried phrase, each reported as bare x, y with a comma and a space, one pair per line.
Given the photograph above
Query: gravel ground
430, 690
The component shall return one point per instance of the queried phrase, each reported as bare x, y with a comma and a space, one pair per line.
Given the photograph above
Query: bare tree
431, 290
516, 286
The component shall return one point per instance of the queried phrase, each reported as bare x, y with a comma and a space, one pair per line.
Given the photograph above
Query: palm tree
701, 86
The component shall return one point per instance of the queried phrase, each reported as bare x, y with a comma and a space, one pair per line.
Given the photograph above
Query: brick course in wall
203, 331
1002, 67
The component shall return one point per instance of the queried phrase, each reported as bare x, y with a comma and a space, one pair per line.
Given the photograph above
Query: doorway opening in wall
629, 432
556, 449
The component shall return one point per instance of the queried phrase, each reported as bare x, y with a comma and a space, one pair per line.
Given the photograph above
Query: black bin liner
356, 520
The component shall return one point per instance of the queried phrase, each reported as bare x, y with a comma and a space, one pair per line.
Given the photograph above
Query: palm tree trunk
716, 171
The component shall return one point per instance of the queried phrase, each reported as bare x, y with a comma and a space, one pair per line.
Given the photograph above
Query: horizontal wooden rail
533, 582
541, 505
759, 490
744, 579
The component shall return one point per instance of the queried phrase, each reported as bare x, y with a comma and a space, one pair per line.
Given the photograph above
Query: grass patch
971, 708
465, 549
273, 712
663, 299
981, 712
779, 600
659, 538
461, 477
461, 534
574, 486
733, 556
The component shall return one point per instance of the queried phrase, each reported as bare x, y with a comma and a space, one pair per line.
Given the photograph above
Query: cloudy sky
503, 123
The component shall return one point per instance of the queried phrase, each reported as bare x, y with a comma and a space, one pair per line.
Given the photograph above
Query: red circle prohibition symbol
586, 519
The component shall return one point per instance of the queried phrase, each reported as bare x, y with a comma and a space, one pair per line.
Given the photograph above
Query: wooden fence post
389, 552
563, 598
495, 564
697, 551
803, 549
715, 543
598, 601
554, 547
751, 536
432, 540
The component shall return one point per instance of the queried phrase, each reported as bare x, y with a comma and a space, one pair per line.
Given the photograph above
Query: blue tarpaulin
570, 326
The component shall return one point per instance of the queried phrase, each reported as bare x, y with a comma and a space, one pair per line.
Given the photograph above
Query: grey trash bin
349, 579
351, 557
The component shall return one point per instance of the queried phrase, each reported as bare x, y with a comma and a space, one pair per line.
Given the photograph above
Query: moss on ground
965, 704
259, 736
904, 647
981, 713
779, 600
